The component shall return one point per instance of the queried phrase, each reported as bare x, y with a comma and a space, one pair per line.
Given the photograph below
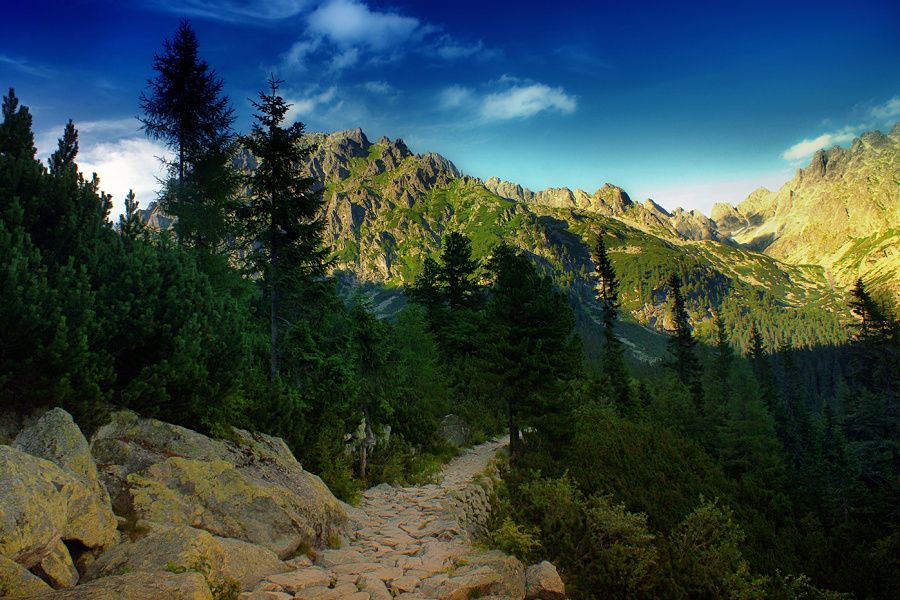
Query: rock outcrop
841, 212
542, 582
185, 548
137, 586
18, 582
251, 489
57, 438
454, 430
51, 501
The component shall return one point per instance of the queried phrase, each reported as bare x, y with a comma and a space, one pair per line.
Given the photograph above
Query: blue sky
687, 103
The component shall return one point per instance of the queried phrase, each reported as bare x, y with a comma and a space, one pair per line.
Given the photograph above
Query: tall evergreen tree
458, 271
533, 349
16, 137
185, 108
724, 357
66, 151
759, 359
131, 226
281, 218
682, 345
608, 299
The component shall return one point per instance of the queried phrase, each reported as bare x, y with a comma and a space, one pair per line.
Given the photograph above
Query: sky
688, 103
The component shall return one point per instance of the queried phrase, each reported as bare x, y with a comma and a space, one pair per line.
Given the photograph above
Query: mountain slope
387, 209
841, 212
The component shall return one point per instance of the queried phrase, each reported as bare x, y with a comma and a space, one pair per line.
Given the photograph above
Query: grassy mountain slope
387, 209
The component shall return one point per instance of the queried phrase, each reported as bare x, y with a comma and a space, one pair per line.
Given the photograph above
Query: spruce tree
682, 345
16, 137
185, 108
608, 299
281, 219
533, 349
724, 358
131, 226
458, 271
66, 151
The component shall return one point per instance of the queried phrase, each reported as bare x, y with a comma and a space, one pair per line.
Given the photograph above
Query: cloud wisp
24, 66
877, 115
511, 99
807, 147
305, 105
344, 33
524, 101
232, 11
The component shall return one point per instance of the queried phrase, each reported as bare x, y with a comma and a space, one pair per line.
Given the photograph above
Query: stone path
406, 543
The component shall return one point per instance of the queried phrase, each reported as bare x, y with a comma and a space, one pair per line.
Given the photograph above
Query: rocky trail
410, 543
148, 510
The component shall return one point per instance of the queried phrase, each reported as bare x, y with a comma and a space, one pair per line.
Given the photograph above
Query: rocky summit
842, 212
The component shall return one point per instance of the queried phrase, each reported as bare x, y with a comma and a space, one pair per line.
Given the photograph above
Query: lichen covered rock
17, 582
55, 437
57, 568
186, 548
251, 488
34, 497
137, 586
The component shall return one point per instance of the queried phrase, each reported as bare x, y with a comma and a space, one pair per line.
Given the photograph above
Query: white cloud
122, 165
378, 87
119, 153
454, 96
888, 110
233, 10
344, 59
450, 49
302, 107
295, 58
807, 147
349, 23
523, 101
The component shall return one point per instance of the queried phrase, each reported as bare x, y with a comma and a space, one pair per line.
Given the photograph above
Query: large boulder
17, 582
41, 504
454, 430
57, 568
250, 488
33, 505
542, 582
186, 548
56, 437
142, 585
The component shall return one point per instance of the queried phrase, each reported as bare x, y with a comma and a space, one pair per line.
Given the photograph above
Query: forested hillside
687, 418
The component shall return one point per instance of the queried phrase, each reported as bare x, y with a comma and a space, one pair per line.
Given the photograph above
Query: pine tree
458, 271
281, 219
533, 349
724, 357
66, 151
608, 299
759, 359
131, 226
682, 345
185, 108
16, 137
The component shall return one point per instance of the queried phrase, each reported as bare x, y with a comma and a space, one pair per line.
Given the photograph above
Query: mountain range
780, 260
